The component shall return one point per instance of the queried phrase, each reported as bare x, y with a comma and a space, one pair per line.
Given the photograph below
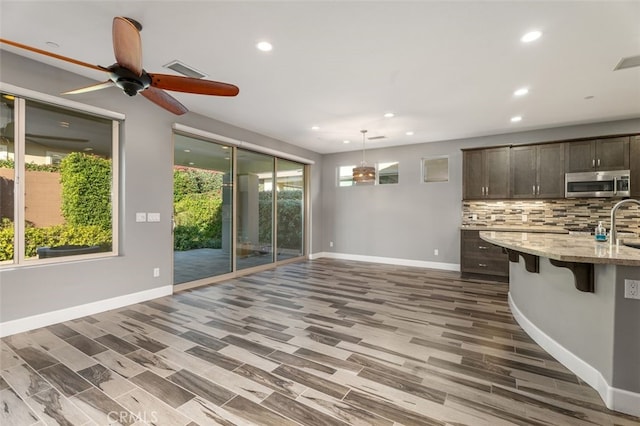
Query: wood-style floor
321, 342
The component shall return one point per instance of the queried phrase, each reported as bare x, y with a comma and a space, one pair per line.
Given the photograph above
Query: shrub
289, 218
195, 181
198, 220
52, 236
86, 190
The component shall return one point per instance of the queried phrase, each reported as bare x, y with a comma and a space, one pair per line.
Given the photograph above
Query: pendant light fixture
364, 173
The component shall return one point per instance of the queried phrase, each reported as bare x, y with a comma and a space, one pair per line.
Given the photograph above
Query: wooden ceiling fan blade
127, 46
164, 100
193, 85
93, 87
52, 55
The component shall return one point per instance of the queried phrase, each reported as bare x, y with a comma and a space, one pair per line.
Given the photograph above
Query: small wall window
345, 175
388, 173
435, 169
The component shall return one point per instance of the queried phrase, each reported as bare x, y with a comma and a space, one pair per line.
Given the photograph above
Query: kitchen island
567, 293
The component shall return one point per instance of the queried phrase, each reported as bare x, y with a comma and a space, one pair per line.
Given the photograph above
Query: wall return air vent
630, 62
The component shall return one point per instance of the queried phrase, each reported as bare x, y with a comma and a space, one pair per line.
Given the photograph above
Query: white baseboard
8, 328
615, 399
387, 260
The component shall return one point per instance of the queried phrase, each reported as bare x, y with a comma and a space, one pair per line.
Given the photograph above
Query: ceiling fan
127, 73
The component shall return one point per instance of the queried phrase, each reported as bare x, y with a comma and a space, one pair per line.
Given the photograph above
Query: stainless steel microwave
597, 184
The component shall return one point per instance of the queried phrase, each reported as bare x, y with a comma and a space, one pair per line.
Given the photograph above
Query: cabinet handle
598, 162
593, 162
483, 248
487, 191
534, 190
538, 189
482, 265
483, 191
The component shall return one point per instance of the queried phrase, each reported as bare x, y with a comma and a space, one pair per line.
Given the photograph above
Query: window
388, 173
435, 169
58, 182
345, 175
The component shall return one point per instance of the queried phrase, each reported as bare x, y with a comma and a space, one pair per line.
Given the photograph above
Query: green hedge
197, 205
198, 219
52, 236
290, 224
86, 190
9, 164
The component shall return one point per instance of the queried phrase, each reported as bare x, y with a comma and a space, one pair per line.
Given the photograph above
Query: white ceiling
446, 69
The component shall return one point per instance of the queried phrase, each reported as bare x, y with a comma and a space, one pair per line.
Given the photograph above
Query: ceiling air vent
184, 69
630, 62
375, 138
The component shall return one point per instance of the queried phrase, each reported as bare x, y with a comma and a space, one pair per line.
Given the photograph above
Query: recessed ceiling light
52, 44
521, 92
187, 150
8, 97
516, 119
346, 141
389, 115
225, 147
315, 128
64, 124
530, 36
409, 133
589, 97
265, 46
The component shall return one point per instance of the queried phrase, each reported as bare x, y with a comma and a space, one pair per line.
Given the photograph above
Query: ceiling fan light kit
127, 73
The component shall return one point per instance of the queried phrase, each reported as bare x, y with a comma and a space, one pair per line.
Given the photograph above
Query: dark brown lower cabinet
480, 258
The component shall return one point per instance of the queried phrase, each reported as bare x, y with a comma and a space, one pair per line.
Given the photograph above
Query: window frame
21, 97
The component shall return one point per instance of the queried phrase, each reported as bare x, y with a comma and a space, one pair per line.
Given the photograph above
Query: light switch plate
141, 217
153, 217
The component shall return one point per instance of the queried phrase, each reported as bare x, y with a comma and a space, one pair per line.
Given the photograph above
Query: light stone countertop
568, 248
511, 228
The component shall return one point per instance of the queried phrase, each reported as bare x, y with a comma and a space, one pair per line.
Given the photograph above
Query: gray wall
600, 328
146, 186
411, 219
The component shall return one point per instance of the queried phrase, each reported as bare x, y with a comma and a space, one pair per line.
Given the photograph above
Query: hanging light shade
364, 173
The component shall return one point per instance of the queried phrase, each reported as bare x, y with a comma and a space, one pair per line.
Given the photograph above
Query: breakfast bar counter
564, 247
568, 293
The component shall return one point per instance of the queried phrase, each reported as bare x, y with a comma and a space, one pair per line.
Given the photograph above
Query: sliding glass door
255, 209
290, 209
234, 209
202, 208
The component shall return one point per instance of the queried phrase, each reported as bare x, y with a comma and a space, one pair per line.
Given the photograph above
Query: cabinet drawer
480, 257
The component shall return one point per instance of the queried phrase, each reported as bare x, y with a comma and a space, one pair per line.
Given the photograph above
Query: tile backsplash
570, 213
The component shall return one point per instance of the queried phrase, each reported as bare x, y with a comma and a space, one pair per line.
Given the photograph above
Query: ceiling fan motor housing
128, 81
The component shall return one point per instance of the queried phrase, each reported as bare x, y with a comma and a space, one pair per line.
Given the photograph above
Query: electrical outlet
524, 218
141, 217
330, 243
631, 289
153, 217
156, 272
435, 252
474, 217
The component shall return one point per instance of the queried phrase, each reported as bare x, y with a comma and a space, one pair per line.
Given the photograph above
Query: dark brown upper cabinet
634, 165
486, 173
537, 171
597, 154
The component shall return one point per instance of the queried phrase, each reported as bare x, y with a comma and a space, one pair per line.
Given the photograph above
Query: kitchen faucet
612, 234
